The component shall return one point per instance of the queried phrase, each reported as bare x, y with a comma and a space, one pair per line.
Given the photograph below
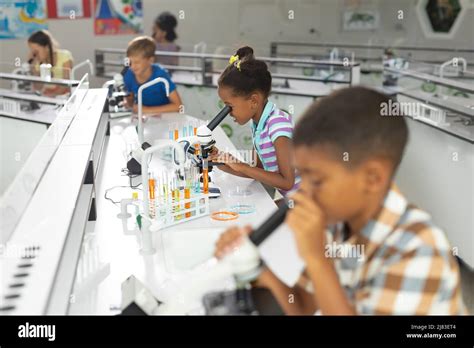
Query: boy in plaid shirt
366, 250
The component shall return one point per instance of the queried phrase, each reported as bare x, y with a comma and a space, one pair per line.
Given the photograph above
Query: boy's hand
135, 109
146, 111
308, 224
230, 240
135, 117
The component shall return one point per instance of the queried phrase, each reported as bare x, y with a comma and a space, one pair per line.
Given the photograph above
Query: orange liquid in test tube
176, 134
187, 195
205, 181
151, 188
151, 192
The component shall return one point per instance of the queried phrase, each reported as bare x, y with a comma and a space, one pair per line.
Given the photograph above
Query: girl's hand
31, 57
34, 68
230, 240
48, 92
214, 154
308, 223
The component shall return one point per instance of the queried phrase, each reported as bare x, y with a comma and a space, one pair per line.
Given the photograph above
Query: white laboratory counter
45, 209
113, 256
46, 114
31, 97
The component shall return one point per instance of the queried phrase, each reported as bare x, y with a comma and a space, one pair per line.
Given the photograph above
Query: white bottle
45, 72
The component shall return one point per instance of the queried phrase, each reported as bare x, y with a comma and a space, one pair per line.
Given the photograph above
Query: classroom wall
227, 24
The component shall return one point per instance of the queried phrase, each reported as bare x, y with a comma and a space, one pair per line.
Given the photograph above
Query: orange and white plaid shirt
399, 264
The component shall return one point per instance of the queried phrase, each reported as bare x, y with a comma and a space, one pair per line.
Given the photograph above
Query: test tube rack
168, 213
176, 212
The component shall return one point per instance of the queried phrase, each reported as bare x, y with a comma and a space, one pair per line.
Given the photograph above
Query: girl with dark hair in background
44, 49
165, 35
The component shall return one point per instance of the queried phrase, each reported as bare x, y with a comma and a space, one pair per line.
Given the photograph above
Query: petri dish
242, 209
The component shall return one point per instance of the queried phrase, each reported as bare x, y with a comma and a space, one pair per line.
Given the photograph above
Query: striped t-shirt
273, 124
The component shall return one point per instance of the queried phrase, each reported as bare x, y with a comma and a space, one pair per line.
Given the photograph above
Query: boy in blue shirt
141, 55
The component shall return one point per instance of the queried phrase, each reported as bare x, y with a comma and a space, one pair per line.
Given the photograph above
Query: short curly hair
350, 119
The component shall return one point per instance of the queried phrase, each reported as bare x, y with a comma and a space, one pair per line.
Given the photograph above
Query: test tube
205, 176
187, 195
151, 193
161, 203
167, 190
191, 129
187, 190
187, 176
185, 131
164, 184
195, 127
171, 194
197, 185
176, 198
171, 198
182, 187
176, 132
171, 132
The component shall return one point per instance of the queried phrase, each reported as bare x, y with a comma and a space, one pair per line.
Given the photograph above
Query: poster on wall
68, 9
19, 19
116, 17
354, 20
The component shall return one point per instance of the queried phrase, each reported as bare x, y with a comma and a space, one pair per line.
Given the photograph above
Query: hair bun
167, 20
245, 53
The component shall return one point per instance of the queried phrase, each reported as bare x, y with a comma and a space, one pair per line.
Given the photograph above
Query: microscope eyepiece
219, 117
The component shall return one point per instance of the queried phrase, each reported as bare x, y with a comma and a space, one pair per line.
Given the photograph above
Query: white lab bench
47, 206
190, 242
45, 115
31, 97
33, 124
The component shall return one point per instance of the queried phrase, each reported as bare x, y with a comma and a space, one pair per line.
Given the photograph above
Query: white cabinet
437, 174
